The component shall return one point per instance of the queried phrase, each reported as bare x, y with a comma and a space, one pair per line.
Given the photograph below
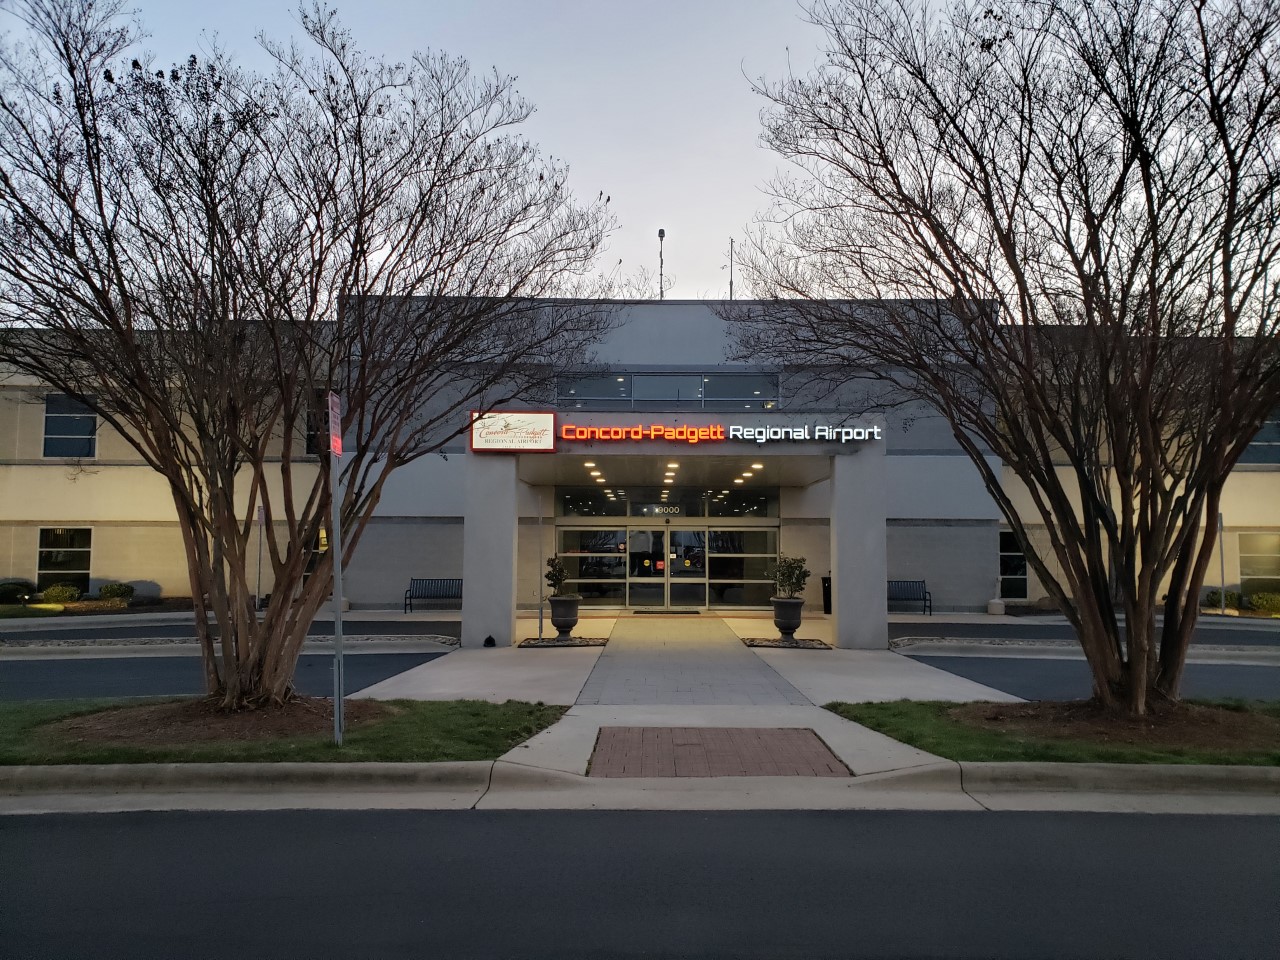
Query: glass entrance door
646, 567
666, 567
687, 568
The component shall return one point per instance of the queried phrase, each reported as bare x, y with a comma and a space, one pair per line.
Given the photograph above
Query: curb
489, 775
111, 778
1154, 778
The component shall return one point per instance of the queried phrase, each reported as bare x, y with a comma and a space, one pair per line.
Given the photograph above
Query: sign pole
1222, 572
257, 593
335, 550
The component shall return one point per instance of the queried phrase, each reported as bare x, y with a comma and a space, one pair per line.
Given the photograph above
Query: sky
647, 100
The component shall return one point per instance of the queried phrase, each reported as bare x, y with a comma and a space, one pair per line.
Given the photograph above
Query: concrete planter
786, 616
564, 615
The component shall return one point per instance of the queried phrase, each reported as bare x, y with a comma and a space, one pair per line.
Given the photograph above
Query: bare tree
200, 254
1055, 223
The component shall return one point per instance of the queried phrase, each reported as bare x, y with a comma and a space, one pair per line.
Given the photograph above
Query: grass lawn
933, 726
15, 611
400, 730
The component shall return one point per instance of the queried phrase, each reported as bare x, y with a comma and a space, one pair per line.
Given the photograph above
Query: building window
1259, 563
1265, 447
70, 428
64, 557
1013, 568
678, 391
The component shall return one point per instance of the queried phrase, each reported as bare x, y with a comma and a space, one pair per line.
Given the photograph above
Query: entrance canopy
688, 468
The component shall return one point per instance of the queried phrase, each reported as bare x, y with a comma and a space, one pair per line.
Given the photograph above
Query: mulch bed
201, 721
96, 608
571, 642
797, 644
1169, 725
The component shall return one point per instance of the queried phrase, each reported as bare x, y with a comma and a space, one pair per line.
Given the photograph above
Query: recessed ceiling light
668, 480
595, 473
601, 480
757, 393
757, 466
588, 464
622, 379
672, 466
724, 491
746, 473
669, 473
739, 480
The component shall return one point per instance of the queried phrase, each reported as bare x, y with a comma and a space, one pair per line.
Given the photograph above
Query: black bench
911, 591
433, 590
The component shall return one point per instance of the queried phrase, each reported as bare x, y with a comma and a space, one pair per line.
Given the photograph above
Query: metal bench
432, 590
911, 591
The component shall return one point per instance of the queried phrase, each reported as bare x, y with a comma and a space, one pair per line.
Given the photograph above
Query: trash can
826, 594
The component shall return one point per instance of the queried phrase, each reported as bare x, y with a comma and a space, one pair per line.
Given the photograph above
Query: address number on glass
670, 510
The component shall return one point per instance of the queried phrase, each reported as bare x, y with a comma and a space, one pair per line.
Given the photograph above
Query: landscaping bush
61, 593
1266, 602
12, 591
1214, 599
116, 591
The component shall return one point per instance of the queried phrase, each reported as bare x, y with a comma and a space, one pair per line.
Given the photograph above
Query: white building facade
664, 475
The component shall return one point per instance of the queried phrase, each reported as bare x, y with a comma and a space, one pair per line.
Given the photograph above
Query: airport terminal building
666, 477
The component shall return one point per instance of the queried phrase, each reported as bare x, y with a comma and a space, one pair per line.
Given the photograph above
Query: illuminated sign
656, 431
513, 431
719, 433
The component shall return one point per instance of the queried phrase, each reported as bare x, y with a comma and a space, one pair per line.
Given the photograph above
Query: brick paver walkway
683, 660
712, 752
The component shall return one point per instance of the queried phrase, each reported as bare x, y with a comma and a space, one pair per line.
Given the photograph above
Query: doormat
664, 613
713, 752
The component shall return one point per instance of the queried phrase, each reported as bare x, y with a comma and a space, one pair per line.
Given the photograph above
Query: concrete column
859, 566
489, 537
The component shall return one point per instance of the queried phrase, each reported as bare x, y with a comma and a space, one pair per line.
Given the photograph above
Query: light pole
662, 235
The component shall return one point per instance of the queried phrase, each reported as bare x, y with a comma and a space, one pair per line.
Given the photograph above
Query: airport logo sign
513, 431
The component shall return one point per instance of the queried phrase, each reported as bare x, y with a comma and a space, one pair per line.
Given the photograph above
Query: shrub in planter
116, 591
13, 591
1266, 602
564, 606
1214, 599
61, 593
789, 578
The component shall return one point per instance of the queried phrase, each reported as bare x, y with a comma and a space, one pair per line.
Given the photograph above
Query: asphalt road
1241, 633
602, 885
1029, 678
173, 676
1236, 633
1042, 679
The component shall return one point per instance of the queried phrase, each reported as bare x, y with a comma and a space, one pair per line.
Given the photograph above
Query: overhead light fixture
672, 466
746, 473
739, 480
588, 464
601, 480
668, 480
757, 466
622, 379
669, 473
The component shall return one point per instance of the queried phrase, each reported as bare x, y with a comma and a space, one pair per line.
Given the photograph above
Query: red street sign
335, 424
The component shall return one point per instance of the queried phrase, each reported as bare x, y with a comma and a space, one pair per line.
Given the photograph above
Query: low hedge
61, 593
116, 591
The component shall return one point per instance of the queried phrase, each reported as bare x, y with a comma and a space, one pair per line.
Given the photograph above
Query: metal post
257, 593
335, 550
1222, 571
731, 268
542, 581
